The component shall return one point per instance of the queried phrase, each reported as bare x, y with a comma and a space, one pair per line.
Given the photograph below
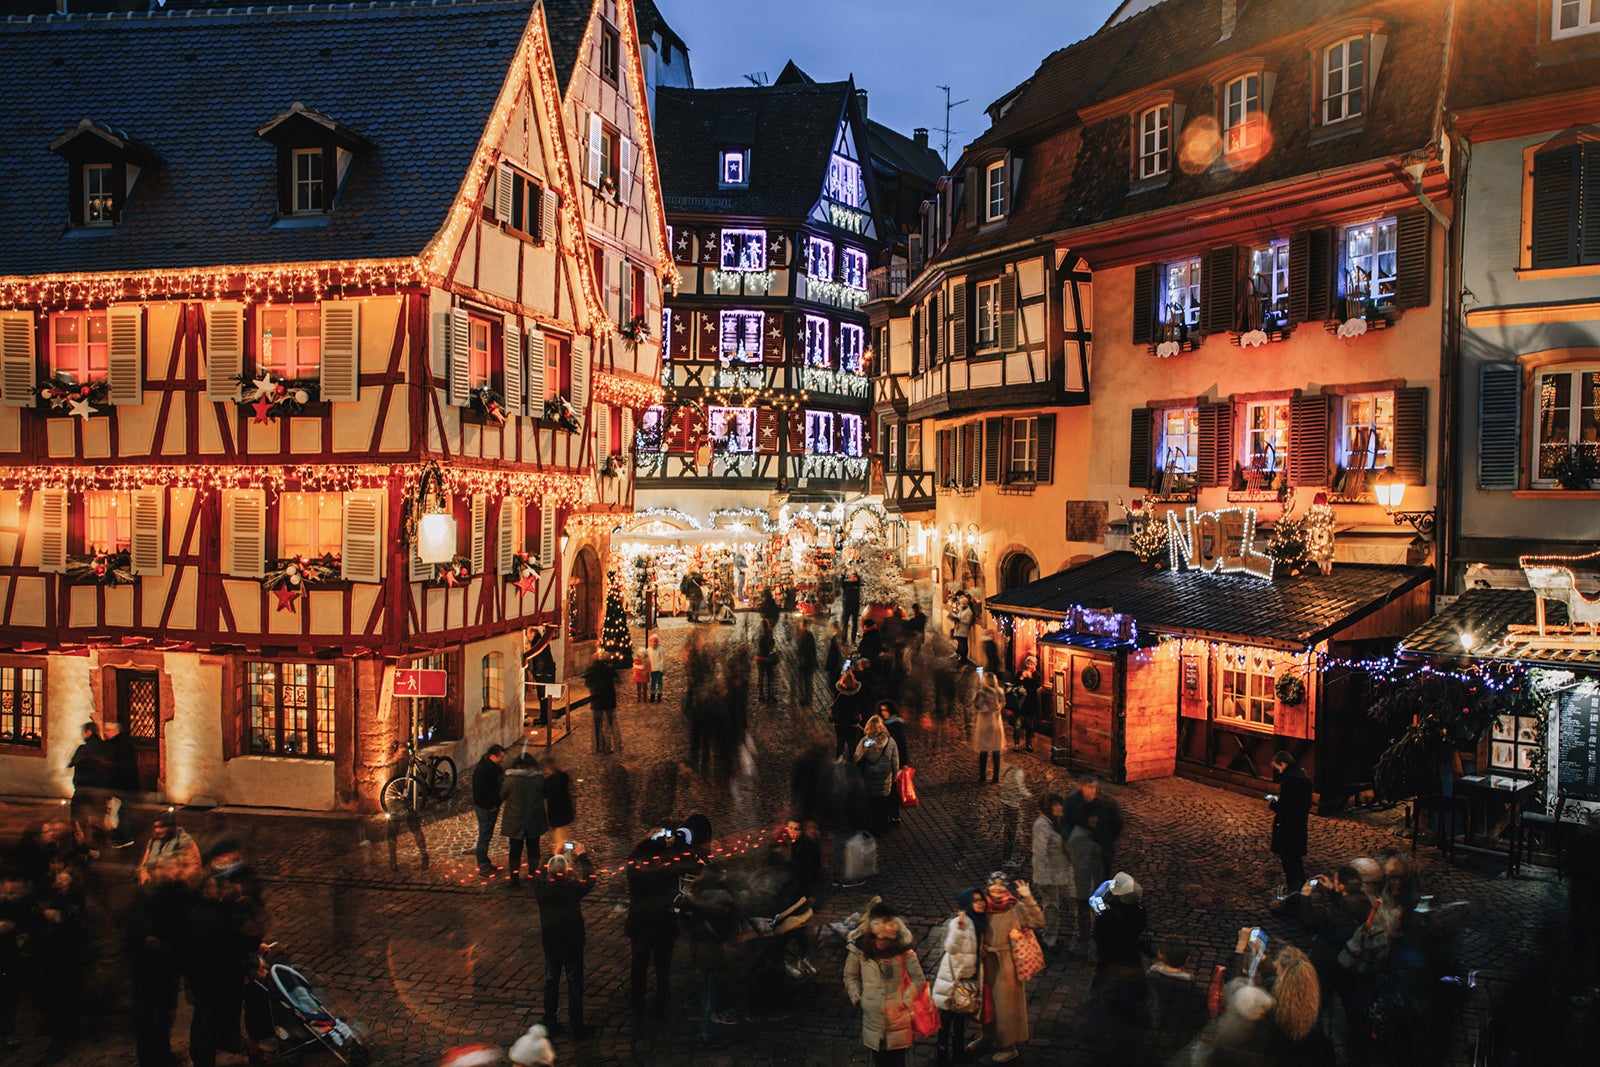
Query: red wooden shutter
1309, 421
1140, 446
1144, 303
1218, 290
941, 457
766, 430
797, 432
1410, 435
1311, 288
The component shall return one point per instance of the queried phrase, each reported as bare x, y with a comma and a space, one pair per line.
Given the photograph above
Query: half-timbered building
269, 323
774, 225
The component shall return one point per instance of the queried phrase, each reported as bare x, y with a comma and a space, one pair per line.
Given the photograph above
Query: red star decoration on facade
526, 583
261, 408
286, 598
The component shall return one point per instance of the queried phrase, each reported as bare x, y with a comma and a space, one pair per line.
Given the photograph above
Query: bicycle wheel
443, 785
398, 797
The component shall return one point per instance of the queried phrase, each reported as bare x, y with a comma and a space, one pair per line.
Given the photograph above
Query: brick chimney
920, 135
861, 102
1230, 17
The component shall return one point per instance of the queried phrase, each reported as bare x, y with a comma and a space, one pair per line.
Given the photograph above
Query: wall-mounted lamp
436, 537
1467, 641
973, 536
1390, 489
566, 539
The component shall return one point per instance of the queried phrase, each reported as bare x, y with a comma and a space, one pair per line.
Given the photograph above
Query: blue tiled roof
418, 81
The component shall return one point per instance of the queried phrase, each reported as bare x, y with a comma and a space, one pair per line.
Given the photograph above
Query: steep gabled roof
648, 17
196, 88
902, 153
1501, 55
789, 130
568, 20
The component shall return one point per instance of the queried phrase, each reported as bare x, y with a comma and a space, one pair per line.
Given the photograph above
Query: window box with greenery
63, 396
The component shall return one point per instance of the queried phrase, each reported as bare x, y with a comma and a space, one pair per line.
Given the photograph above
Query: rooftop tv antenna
758, 78
949, 106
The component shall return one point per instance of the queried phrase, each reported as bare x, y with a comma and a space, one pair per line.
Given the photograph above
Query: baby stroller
302, 1018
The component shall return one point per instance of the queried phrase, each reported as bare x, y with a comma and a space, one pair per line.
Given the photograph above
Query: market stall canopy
1487, 617
1291, 613
691, 537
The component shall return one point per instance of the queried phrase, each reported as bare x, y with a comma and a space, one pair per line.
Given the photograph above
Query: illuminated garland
624, 390
745, 514
640, 518
253, 284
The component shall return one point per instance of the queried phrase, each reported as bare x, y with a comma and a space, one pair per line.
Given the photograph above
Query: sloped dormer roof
789, 130
419, 81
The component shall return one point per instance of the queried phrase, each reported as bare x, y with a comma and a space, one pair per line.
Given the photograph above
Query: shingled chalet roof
418, 81
1291, 613
1488, 615
789, 130
1500, 55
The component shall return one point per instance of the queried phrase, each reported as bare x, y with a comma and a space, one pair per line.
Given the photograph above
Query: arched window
1019, 568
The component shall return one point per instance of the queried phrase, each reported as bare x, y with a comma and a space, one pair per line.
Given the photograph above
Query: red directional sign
420, 683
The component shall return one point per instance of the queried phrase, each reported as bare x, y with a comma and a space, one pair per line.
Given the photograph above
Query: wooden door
1090, 682
139, 712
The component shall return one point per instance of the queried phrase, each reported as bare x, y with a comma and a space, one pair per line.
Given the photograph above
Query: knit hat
1368, 868
1123, 885
471, 1056
1252, 1002
533, 1049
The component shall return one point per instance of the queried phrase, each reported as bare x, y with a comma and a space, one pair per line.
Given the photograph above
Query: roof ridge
223, 11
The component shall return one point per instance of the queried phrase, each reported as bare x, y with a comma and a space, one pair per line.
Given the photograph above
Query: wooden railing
885, 283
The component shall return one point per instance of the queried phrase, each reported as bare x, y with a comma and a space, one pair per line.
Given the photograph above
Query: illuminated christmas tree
881, 580
614, 635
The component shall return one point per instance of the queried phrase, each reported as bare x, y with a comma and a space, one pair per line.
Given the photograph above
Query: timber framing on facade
247, 345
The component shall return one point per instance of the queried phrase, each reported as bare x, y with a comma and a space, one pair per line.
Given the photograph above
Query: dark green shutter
1499, 425
1218, 290
933, 329
973, 195
1309, 417
1588, 223
1144, 303
1008, 312
958, 320
1555, 207
1411, 435
1140, 444
993, 468
1413, 287
1047, 449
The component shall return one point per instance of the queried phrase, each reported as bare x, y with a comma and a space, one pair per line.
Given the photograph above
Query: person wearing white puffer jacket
960, 964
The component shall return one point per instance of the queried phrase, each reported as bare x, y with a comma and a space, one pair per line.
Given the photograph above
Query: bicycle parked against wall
425, 778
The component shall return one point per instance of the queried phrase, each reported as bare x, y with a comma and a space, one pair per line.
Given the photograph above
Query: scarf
1001, 907
880, 948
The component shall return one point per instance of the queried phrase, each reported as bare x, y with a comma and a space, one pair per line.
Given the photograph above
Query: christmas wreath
102, 568
1291, 691
486, 401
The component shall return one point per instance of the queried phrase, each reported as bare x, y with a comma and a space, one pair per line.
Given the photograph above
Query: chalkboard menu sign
1579, 773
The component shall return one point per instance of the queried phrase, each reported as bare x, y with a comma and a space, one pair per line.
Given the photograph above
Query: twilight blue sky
898, 50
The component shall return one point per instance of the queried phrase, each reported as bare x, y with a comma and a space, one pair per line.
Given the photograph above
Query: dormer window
1155, 142
1243, 91
1345, 58
1569, 18
735, 167
314, 157
1241, 111
994, 185
1344, 79
105, 165
844, 182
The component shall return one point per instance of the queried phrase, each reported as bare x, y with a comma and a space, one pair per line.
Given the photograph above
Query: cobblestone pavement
430, 957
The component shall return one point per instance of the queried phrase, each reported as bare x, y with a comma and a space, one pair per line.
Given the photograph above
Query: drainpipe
1445, 537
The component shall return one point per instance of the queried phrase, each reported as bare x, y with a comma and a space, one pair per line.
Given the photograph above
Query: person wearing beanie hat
1118, 989
533, 1049
1009, 907
1123, 885
959, 965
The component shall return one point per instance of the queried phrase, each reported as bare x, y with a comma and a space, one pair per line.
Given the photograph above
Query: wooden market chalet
251, 341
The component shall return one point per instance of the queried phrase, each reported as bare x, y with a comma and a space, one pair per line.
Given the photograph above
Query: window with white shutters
547, 533
513, 363
625, 157
125, 354
147, 533
479, 522
533, 347
245, 518
52, 506
340, 372
224, 350
458, 357
508, 535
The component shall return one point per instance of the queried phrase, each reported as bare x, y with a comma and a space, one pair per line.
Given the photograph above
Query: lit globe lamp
1390, 491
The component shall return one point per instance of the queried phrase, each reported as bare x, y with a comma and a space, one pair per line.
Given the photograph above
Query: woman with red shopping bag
1012, 918
883, 978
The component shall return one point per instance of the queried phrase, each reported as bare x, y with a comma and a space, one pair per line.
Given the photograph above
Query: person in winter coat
766, 660
1118, 991
1007, 911
1291, 807
93, 764
539, 665
1299, 1040
879, 759
560, 886
989, 730
560, 809
653, 869
846, 714
1028, 713
850, 602
601, 678
805, 662
655, 658
486, 778
962, 935
711, 919
1088, 866
882, 976
1052, 870
769, 610
522, 820
889, 711
1101, 816
961, 624
1015, 797
171, 856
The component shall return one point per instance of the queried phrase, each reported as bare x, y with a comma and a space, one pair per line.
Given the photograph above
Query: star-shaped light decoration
526, 583
262, 385
263, 411
286, 597
81, 408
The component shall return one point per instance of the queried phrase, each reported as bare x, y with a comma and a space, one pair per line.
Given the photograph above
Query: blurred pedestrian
487, 776
1099, 814
523, 819
1028, 710
16, 917
766, 659
1010, 909
850, 603
805, 662
1291, 808
124, 783
656, 660
988, 730
1118, 990
91, 764
532, 1049
1015, 797
956, 981
710, 917
171, 855
653, 871
539, 666
641, 674
601, 678
961, 623
882, 976
834, 663
846, 713
560, 807
1052, 870
560, 886
879, 760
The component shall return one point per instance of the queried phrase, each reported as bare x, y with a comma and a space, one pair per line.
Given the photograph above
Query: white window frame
736, 246
1574, 415
1154, 135
853, 268
734, 427
1180, 428
852, 348
99, 194
818, 336
1273, 431
302, 186
1180, 286
994, 190
1252, 690
1023, 462
819, 431
296, 339
1275, 253
844, 181
1358, 410
1586, 20
326, 528
87, 321
1352, 80
756, 319
852, 435
819, 258
113, 506
1241, 104
733, 171
1381, 261
986, 317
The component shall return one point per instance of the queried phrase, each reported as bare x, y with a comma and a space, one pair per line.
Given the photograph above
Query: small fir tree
614, 635
881, 580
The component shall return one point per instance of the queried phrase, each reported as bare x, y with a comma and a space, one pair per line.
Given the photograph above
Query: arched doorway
1019, 568
585, 594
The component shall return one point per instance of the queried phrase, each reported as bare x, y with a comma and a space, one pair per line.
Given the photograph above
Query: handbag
906, 783
966, 996
1214, 992
1027, 958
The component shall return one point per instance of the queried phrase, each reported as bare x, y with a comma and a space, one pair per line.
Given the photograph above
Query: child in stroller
282, 1001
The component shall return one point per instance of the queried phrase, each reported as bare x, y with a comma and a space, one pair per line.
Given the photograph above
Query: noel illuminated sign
1217, 542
